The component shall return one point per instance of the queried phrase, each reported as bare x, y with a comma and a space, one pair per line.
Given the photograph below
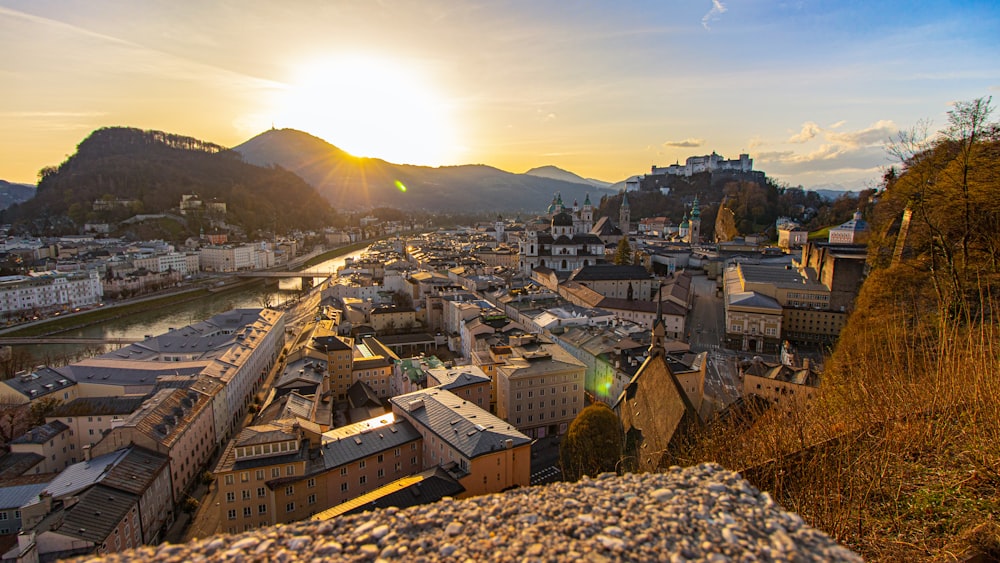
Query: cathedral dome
562, 220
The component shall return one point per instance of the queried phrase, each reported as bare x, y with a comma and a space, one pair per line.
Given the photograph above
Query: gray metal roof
41, 434
466, 427
97, 513
79, 476
95, 406
40, 382
17, 496
363, 439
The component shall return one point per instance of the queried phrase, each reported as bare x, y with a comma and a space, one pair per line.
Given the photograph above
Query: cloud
878, 133
809, 130
837, 125
686, 143
718, 8
754, 142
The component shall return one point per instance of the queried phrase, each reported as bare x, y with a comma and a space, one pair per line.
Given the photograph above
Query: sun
370, 106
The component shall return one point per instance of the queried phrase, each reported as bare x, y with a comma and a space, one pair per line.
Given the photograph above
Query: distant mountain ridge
11, 193
557, 173
357, 183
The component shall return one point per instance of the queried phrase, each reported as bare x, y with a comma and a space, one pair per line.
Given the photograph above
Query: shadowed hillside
899, 457
352, 182
151, 170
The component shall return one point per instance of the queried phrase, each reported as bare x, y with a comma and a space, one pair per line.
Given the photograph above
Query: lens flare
400, 186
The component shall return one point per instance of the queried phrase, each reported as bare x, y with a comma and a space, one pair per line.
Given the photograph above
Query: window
396, 452
232, 514
244, 476
311, 482
290, 507
261, 492
290, 470
261, 509
246, 512
361, 465
381, 472
364, 479
343, 471
312, 499
260, 474
275, 472
290, 490
343, 487
230, 497
230, 479
380, 458
413, 460
246, 494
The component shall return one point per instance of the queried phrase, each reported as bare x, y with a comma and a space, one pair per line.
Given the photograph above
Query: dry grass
899, 457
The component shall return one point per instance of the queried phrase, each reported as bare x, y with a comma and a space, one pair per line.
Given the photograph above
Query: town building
485, 454
49, 291
540, 387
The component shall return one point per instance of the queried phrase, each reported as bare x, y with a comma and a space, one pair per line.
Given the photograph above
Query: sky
812, 90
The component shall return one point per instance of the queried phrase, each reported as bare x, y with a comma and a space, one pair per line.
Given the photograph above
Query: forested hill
152, 170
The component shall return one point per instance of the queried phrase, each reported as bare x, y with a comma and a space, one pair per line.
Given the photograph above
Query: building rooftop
41, 434
97, 406
463, 425
16, 496
96, 514
423, 488
363, 439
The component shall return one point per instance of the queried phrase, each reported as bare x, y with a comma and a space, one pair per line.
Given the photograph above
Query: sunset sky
605, 89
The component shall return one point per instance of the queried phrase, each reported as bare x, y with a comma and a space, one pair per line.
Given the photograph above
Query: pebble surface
702, 513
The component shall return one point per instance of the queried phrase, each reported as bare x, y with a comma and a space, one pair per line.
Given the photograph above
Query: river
161, 320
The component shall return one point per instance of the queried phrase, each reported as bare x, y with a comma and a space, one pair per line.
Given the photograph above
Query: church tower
694, 232
498, 226
624, 213
657, 342
587, 216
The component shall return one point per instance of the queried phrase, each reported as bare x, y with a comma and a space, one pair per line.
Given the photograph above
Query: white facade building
707, 163
47, 290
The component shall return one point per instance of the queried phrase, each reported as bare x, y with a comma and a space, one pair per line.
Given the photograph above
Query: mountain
11, 193
557, 173
147, 172
358, 183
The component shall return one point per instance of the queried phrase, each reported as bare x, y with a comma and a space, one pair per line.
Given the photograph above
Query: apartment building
540, 388
486, 454
280, 472
50, 290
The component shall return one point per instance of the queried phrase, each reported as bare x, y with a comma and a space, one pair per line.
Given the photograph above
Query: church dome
562, 220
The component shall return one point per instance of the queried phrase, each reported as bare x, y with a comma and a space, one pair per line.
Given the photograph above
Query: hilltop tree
593, 443
623, 256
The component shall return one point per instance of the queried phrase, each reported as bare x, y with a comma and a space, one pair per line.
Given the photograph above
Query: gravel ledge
696, 513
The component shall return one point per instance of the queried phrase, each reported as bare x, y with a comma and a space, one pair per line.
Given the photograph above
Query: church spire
658, 336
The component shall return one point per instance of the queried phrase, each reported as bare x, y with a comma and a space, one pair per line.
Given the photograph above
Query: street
706, 325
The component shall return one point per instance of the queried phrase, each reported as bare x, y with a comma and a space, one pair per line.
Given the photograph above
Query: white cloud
686, 143
809, 130
837, 125
718, 8
878, 133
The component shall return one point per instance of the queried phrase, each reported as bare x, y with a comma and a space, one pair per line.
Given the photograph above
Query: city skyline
810, 91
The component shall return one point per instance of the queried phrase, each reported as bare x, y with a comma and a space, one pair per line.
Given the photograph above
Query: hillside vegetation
152, 169
899, 457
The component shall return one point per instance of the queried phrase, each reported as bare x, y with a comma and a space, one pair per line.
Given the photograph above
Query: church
569, 243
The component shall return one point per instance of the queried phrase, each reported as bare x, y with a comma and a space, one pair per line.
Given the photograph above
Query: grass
821, 234
899, 456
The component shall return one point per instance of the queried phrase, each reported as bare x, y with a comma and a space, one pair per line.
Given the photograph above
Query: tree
623, 256
40, 409
593, 443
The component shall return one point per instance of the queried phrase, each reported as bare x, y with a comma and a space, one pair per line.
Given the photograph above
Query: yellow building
485, 454
540, 387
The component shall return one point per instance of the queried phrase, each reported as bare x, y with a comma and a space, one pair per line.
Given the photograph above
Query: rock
453, 529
